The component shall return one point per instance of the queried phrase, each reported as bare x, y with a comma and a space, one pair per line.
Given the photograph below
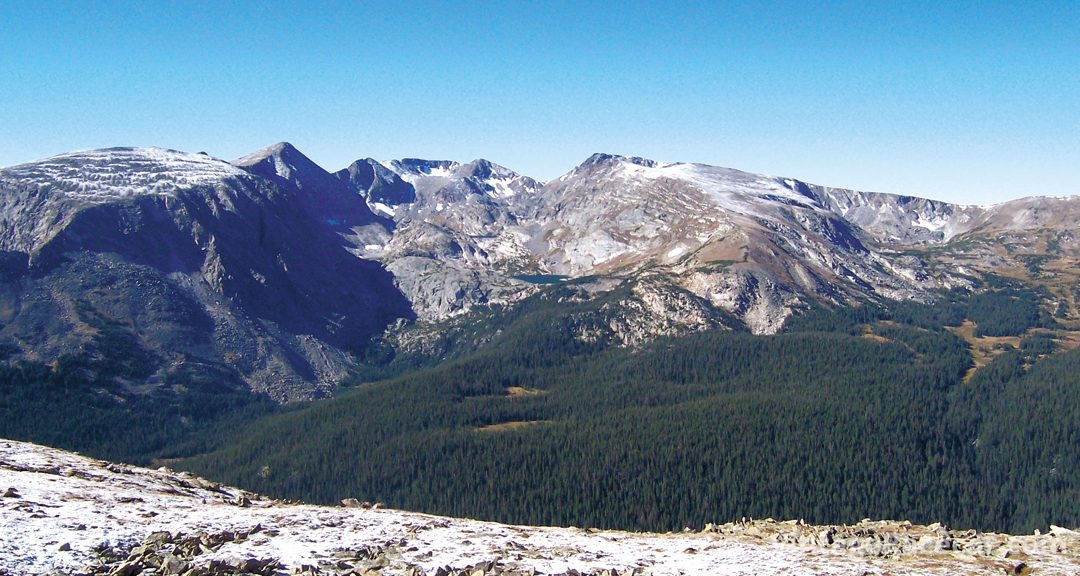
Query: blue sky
973, 102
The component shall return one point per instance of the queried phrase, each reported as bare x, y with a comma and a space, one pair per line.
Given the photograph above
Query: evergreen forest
850, 413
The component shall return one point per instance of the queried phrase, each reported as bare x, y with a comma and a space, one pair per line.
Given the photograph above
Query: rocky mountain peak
483, 169
281, 160
280, 149
40, 199
496, 180
480, 168
600, 159
377, 183
321, 194
1034, 212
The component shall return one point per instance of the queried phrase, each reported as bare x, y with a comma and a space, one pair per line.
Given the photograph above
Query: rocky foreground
61, 513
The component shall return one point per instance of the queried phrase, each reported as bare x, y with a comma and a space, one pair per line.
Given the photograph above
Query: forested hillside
851, 413
86, 403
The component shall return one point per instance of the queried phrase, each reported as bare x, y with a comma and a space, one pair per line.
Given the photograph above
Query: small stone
928, 543
65, 547
129, 568
257, 566
158, 538
173, 565
10, 493
139, 551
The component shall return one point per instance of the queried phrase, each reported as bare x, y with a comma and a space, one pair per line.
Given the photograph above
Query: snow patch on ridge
501, 186
730, 189
103, 175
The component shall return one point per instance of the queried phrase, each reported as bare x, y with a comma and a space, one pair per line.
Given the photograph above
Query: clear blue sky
971, 102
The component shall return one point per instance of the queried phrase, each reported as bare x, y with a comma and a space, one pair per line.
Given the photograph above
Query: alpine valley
633, 345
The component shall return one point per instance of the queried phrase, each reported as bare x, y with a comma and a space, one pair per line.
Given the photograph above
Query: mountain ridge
253, 254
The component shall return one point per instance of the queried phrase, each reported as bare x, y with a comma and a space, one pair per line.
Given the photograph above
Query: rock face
66, 514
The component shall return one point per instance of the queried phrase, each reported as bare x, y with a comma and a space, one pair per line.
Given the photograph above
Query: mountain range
272, 274
633, 345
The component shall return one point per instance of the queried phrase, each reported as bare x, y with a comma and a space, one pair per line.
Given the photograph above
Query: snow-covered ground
58, 511
103, 175
731, 190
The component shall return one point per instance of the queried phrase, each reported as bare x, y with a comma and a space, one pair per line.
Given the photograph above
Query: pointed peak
280, 150
281, 160
481, 165
368, 162
374, 166
481, 168
283, 148
376, 182
598, 157
363, 166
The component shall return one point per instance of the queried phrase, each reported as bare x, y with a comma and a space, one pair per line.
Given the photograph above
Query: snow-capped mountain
277, 272
61, 513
